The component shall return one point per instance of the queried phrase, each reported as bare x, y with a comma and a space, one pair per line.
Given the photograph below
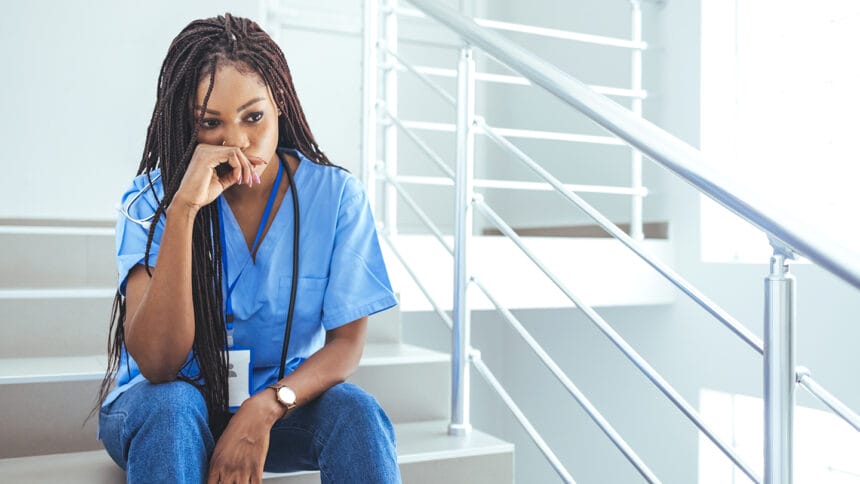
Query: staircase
56, 288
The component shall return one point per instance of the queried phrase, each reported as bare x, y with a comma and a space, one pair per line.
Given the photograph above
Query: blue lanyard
229, 310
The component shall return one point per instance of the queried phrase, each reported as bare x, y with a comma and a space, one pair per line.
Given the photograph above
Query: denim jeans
160, 433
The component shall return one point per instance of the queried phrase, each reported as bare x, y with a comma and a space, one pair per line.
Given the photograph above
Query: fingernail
257, 176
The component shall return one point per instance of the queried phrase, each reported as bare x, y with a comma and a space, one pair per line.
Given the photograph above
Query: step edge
424, 356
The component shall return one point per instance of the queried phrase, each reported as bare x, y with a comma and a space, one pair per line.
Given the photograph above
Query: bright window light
781, 114
825, 446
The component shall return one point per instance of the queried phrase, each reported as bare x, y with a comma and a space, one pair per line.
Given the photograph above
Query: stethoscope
146, 222
124, 208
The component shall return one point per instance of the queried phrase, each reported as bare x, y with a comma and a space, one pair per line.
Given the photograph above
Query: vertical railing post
779, 369
636, 107
461, 339
390, 130
369, 117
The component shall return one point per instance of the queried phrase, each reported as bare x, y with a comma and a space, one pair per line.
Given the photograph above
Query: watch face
287, 395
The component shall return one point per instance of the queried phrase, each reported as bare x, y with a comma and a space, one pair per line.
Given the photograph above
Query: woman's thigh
147, 417
323, 433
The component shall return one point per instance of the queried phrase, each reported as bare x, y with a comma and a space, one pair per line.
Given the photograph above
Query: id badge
238, 376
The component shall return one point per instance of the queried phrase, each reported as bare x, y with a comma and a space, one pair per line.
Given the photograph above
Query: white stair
426, 454
55, 321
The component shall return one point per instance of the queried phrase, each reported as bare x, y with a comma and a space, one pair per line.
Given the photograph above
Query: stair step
74, 322
426, 454
410, 383
39, 256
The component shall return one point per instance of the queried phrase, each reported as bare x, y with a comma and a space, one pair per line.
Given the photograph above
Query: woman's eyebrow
239, 109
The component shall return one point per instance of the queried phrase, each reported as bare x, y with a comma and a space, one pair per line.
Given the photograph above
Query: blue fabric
342, 275
159, 433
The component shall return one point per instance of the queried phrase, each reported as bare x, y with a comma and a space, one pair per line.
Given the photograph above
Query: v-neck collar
238, 253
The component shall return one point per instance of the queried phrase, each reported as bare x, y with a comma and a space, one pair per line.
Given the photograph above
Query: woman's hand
241, 451
202, 183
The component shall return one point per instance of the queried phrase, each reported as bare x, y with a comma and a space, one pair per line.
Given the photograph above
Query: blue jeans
160, 433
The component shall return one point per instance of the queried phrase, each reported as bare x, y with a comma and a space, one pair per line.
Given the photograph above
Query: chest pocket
307, 317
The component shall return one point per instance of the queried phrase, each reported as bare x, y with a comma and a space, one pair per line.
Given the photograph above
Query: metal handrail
524, 133
542, 31
520, 185
418, 211
575, 392
485, 372
804, 378
434, 157
522, 81
542, 355
618, 341
445, 318
676, 156
719, 313
665, 149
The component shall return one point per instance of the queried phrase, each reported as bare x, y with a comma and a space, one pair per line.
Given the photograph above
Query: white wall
78, 91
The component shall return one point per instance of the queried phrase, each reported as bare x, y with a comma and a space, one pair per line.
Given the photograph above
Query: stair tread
90, 367
416, 442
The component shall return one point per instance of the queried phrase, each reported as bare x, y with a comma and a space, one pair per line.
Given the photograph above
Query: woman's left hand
241, 451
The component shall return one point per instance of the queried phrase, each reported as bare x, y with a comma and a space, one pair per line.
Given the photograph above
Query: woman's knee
349, 402
177, 402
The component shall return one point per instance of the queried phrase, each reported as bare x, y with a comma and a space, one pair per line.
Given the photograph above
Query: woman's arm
240, 453
159, 325
332, 364
159, 317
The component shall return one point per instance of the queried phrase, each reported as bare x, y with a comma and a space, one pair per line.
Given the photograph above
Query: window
781, 114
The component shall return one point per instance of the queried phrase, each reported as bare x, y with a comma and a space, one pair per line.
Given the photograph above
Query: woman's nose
236, 138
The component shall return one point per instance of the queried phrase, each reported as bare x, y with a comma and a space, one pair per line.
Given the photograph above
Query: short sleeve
132, 231
358, 282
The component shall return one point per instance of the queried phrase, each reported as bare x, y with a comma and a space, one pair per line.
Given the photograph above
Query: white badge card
238, 376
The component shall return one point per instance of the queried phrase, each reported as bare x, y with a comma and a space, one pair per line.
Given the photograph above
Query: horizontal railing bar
423, 78
542, 31
485, 372
575, 392
521, 185
522, 133
834, 404
445, 318
670, 274
421, 144
677, 156
616, 339
418, 211
522, 81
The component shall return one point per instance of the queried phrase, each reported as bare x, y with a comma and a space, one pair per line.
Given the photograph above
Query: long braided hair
171, 138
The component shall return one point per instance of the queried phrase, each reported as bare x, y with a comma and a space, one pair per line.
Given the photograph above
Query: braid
171, 138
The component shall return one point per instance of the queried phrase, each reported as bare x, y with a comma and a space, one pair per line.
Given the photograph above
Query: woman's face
240, 113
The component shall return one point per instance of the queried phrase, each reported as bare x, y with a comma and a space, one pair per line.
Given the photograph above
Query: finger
214, 477
249, 168
256, 160
238, 167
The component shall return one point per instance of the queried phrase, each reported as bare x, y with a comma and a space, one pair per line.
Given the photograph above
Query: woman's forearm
160, 333
332, 364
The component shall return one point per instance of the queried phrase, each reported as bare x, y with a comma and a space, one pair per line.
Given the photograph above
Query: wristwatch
285, 396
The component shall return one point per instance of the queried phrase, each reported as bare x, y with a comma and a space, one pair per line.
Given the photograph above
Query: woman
206, 252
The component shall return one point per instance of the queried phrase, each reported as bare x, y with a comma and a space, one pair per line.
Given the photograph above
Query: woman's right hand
202, 184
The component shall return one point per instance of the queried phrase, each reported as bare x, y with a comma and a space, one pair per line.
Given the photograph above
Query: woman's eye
254, 117
209, 123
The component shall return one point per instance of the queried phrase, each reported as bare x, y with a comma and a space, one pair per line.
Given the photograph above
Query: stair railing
787, 237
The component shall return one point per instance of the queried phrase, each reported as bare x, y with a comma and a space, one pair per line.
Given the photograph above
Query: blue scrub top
342, 275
